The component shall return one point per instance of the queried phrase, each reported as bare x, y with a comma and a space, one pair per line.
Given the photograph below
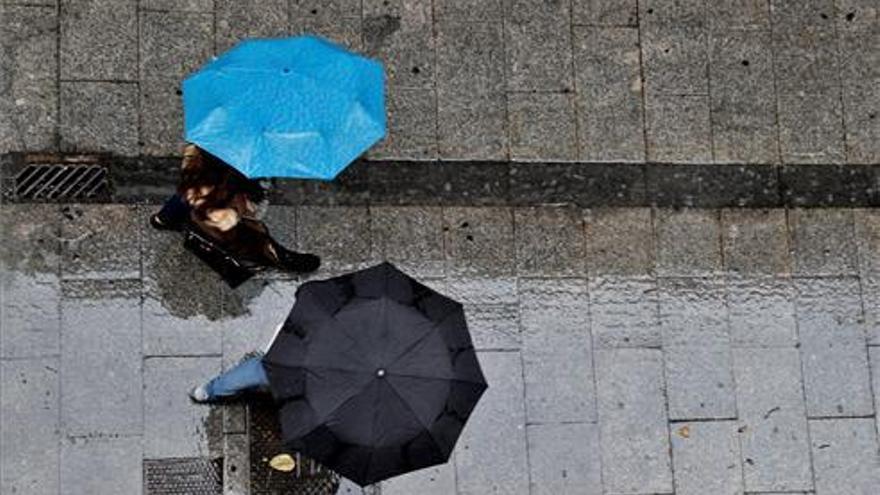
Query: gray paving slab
672, 14
99, 40
472, 121
29, 97
605, 13
755, 241
678, 128
620, 241
694, 312
707, 458
236, 462
609, 98
174, 426
161, 117
412, 125
340, 235
699, 382
791, 15
701, 255
675, 61
762, 312
29, 316
830, 308
833, 352
806, 61
490, 456
557, 351
252, 318
472, 127
563, 458
741, 77
537, 45
101, 338
811, 128
861, 123
624, 312
494, 326
326, 9
772, 416
860, 77
871, 303
100, 241
479, 241
740, 14
174, 44
184, 5
874, 362
411, 237
857, 15
845, 456
181, 299
436, 480
99, 117
29, 420
470, 58
237, 20
867, 229
28, 3
102, 465
29, 115
29, 277
480, 290
346, 31
401, 33
633, 433
822, 241
549, 242
468, 10
542, 126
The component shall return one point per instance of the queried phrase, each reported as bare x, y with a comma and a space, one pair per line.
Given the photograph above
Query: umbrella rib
426, 377
331, 368
427, 428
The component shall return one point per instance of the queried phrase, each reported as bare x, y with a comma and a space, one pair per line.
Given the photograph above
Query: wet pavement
726, 81
628, 350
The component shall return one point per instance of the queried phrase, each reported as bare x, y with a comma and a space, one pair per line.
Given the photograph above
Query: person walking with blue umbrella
299, 107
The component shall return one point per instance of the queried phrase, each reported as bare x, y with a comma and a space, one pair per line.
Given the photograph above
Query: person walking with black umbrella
374, 374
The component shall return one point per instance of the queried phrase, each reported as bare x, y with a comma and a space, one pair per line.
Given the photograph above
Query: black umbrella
375, 373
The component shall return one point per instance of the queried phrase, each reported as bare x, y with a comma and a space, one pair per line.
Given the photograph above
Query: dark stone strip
469, 183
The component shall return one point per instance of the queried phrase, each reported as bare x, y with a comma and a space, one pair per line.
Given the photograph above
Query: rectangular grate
183, 476
60, 181
308, 478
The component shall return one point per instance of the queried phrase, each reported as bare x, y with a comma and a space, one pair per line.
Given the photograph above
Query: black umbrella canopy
375, 374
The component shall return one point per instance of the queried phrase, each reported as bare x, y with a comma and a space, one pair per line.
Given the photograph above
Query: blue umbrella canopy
298, 107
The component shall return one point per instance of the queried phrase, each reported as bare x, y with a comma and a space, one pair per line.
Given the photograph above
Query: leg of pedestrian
248, 375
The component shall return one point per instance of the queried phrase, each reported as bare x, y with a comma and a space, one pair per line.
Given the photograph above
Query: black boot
296, 262
173, 215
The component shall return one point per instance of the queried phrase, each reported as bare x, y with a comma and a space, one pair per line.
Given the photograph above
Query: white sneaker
199, 394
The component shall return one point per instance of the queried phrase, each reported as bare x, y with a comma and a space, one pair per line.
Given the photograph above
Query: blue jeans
247, 375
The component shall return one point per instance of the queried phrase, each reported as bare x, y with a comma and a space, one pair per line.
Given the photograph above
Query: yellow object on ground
283, 462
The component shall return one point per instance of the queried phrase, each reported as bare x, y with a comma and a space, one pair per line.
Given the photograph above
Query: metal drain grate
51, 181
308, 478
183, 476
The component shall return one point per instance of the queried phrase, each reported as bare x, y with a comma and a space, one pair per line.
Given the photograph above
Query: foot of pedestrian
200, 394
159, 223
298, 262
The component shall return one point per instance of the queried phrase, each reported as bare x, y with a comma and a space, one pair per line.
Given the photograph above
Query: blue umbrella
292, 107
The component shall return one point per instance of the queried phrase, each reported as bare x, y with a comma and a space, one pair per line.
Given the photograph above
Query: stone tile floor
726, 81
628, 351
